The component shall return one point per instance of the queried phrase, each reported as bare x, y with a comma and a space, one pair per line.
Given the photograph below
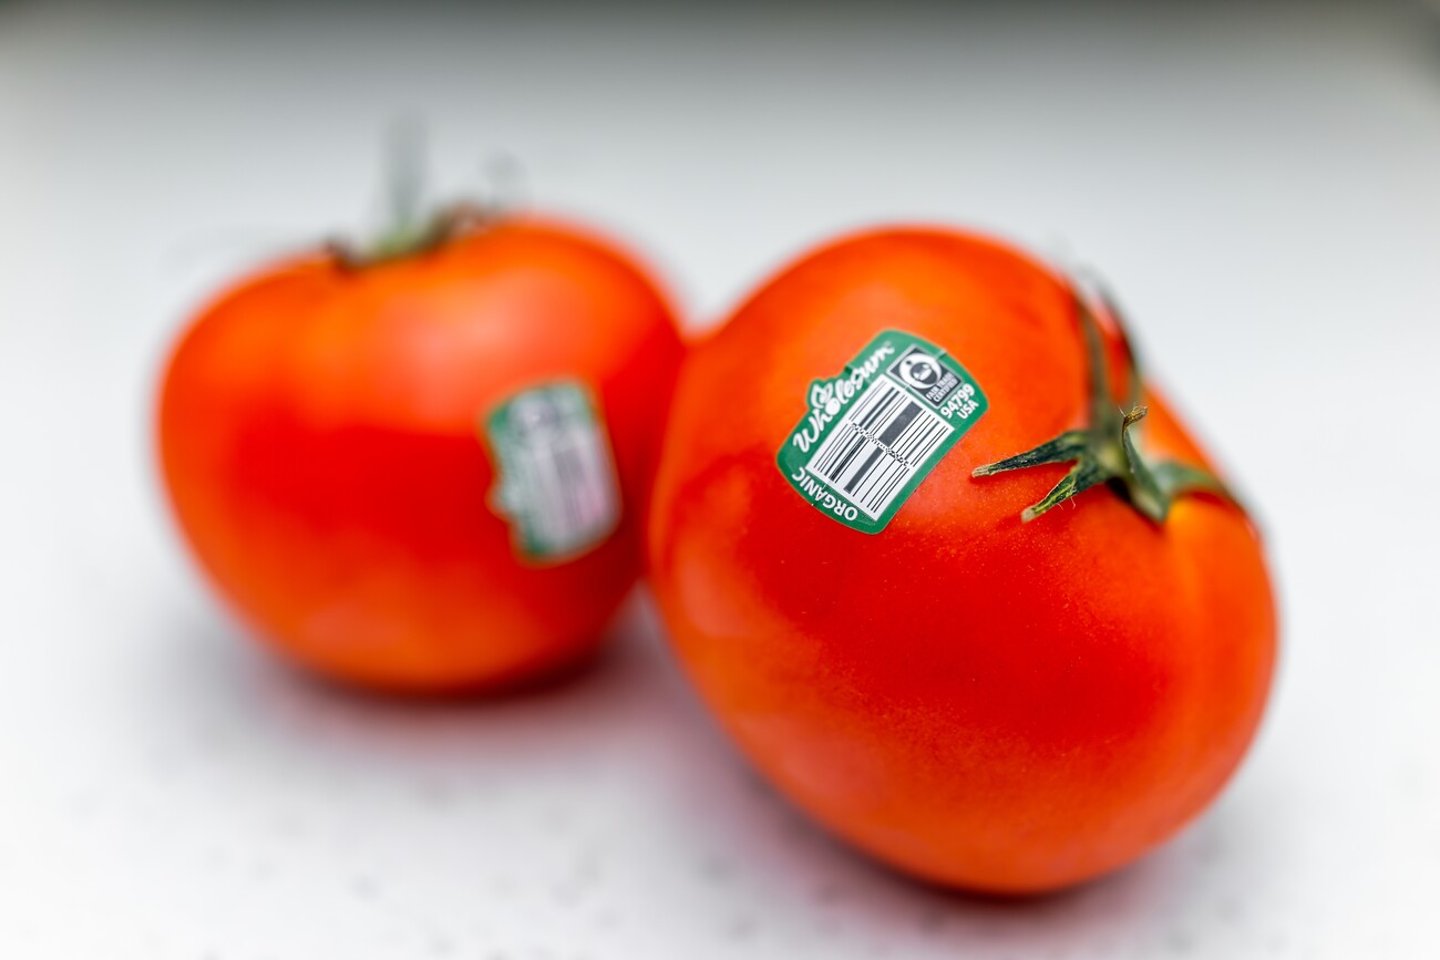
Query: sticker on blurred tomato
556, 475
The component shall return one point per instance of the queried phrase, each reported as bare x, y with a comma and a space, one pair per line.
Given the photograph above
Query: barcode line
878, 446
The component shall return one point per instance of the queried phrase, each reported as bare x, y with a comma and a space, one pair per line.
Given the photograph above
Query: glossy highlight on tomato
983, 700
321, 433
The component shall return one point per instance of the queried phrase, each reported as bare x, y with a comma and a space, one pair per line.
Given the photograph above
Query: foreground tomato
426, 472
980, 679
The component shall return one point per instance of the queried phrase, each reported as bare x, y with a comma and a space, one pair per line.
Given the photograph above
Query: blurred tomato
427, 472
964, 682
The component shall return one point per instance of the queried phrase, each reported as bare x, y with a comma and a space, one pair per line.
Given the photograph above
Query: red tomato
334, 439
981, 699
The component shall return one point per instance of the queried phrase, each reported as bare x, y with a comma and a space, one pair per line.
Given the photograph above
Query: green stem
1107, 449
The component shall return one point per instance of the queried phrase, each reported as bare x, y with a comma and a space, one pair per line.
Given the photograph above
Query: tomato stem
1107, 450
445, 225
408, 230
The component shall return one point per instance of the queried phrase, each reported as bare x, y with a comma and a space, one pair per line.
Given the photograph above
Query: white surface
1263, 187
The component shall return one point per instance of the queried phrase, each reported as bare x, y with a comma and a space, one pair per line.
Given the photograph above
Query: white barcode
878, 445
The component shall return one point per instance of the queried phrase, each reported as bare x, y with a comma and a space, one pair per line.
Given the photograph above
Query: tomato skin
1002, 706
317, 433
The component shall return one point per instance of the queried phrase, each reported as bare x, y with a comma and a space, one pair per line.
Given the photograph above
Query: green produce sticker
556, 481
874, 432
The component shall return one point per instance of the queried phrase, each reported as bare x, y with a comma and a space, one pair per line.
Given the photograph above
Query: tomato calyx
412, 227
1107, 450
412, 237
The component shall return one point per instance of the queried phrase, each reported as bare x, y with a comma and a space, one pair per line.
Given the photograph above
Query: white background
1262, 185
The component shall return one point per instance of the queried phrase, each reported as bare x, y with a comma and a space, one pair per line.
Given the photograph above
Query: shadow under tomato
598, 798
549, 681
215, 669
1188, 895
